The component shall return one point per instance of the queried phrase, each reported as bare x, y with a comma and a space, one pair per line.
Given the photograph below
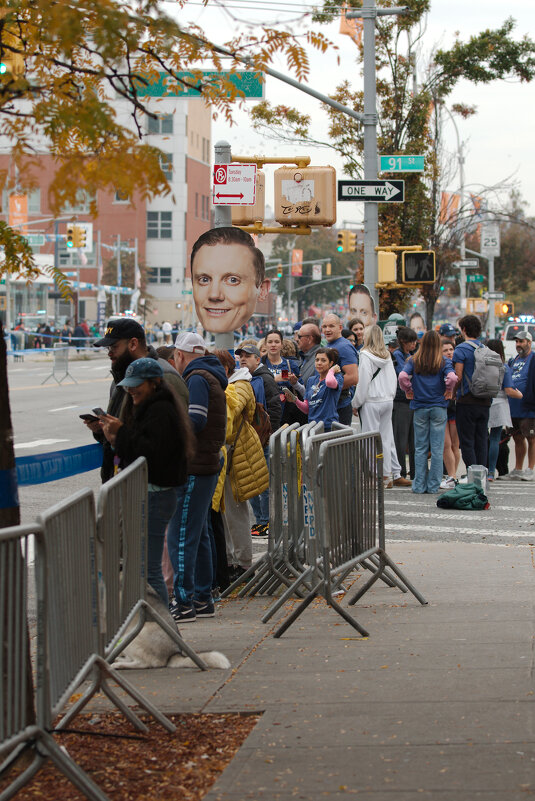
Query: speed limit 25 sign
490, 239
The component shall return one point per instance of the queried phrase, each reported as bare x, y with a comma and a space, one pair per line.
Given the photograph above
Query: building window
34, 201
159, 275
121, 197
196, 204
166, 163
159, 224
81, 205
161, 124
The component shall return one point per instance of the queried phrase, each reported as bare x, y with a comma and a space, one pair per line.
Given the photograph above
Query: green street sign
35, 240
401, 163
475, 278
247, 84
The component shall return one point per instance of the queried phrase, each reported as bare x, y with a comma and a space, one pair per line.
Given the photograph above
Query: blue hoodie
199, 389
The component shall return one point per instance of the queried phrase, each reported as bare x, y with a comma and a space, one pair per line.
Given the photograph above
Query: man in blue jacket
188, 539
523, 409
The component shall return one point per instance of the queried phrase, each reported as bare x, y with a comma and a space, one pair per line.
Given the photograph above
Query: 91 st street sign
401, 163
372, 191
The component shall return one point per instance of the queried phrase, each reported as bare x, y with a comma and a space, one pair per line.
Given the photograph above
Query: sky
498, 141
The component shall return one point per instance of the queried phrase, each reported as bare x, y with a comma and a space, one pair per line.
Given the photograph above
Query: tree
409, 114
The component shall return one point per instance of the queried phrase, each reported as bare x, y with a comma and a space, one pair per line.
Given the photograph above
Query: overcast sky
499, 140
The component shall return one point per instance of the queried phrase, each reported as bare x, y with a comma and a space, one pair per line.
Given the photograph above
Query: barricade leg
298, 610
286, 595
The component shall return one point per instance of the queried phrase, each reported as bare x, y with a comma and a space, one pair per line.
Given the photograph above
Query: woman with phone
322, 391
285, 371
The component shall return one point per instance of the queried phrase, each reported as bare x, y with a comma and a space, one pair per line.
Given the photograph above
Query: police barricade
345, 517
67, 596
121, 559
21, 725
60, 366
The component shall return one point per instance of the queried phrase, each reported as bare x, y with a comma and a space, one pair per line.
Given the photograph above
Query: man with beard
125, 340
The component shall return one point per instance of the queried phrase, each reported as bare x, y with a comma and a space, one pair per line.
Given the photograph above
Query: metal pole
290, 287
371, 215
56, 267
492, 315
461, 206
223, 219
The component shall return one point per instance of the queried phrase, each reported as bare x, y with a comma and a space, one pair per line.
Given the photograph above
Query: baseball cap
251, 349
447, 330
123, 328
524, 335
297, 326
190, 342
137, 372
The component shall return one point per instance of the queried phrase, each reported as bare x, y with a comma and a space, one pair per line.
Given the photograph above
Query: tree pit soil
133, 766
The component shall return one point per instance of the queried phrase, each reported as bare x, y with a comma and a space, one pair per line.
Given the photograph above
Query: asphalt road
45, 418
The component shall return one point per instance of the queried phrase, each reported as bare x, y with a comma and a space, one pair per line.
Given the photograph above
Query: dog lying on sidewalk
154, 648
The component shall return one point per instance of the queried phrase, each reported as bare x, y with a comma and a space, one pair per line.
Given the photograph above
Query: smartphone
289, 395
284, 375
99, 412
89, 418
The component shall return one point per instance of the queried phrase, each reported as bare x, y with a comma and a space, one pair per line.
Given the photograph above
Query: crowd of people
202, 420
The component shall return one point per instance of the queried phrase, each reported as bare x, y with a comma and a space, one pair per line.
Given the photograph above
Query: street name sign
248, 84
475, 278
494, 295
372, 191
401, 163
466, 263
234, 184
35, 240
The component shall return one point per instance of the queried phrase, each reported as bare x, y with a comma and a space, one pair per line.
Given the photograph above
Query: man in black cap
125, 340
448, 333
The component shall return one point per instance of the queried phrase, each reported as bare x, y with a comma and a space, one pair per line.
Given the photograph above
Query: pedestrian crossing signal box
418, 267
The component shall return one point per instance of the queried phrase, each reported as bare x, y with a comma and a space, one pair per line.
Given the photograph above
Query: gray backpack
489, 371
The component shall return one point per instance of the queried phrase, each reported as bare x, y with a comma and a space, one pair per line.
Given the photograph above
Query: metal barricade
121, 559
60, 366
20, 725
345, 511
68, 602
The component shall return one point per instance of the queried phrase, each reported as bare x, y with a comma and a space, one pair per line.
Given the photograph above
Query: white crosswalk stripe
466, 532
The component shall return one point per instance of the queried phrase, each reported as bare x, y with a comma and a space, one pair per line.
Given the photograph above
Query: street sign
187, 292
494, 295
248, 84
372, 191
490, 239
475, 278
316, 272
466, 263
234, 184
401, 163
35, 240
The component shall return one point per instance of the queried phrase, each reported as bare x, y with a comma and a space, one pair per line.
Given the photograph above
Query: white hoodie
240, 374
382, 388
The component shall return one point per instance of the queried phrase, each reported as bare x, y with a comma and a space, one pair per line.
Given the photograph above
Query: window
159, 275
159, 224
196, 204
34, 201
121, 197
203, 207
166, 163
81, 205
161, 124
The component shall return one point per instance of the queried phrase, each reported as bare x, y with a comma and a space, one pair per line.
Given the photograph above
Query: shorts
525, 426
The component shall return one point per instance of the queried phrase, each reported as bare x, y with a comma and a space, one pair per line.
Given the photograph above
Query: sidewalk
439, 702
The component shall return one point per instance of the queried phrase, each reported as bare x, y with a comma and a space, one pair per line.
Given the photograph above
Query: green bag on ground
464, 496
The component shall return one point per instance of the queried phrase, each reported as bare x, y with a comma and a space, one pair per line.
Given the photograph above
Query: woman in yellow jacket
245, 473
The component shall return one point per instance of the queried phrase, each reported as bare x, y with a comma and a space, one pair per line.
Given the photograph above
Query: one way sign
372, 191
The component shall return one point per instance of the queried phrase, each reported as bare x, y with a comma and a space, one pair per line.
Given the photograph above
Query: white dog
154, 648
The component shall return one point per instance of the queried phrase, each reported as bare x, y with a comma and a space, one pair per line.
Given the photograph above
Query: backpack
464, 496
489, 370
261, 424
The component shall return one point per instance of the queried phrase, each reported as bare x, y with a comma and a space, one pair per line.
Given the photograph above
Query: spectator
402, 414
323, 390
375, 393
348, 360
289, 349
447, 333
429, 381
350, 336
452, 453
523, 411
285, 371
309, 338
472, 413
78, 337
159, 430
356, 325
500, 414
66, 332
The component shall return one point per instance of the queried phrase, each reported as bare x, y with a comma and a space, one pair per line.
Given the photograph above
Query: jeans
162, 504
494, 449
429, 429
260, 503
472, 426
189, 542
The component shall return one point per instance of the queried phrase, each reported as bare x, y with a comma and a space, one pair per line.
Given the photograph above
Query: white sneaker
528, 474
447, 483
515, 475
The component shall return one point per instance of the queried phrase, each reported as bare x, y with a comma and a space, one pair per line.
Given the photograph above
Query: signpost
466, 263
494, 295
234, 184
475, 278
372, 191
401, 163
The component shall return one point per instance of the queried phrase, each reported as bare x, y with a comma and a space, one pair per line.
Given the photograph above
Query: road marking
54, 386
36, 443
452, 516
467, 532
63, 408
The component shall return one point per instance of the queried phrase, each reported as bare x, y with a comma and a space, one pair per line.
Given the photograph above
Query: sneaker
528, 474
448, 482
463, 480
261, 530
388, 482
182, 613
204, 608
515, 475
402, 482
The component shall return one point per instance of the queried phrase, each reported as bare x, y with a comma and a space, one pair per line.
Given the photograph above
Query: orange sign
297, 261
18, 212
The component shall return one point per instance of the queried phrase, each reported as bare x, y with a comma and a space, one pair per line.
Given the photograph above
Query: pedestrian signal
386, 267
504, 308
418, 267
328, 268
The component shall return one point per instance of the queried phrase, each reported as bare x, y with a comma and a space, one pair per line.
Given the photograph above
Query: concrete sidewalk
438, 703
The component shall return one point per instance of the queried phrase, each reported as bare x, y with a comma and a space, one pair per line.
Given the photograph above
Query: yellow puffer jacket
249, 474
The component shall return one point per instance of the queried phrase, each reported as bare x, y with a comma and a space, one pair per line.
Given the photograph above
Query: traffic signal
11, 57
386, 267
341, 241
78, 236
351, 245
328, 268
70, 236
504, 309
279, 270
418, 267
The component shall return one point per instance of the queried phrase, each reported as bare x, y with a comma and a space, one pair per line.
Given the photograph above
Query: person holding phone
285, 371
322, 391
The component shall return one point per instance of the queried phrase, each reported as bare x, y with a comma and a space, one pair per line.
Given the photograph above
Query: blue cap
447, 330
139, 371
297, 326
